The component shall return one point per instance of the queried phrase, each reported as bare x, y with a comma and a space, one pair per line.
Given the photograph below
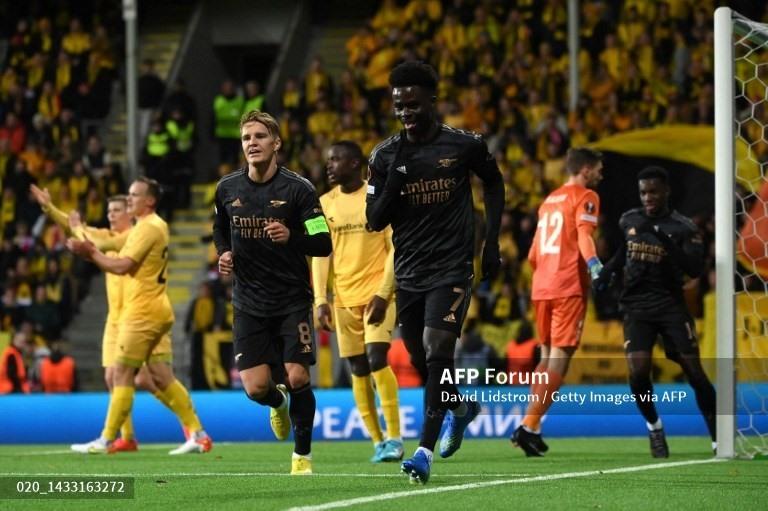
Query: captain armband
316, 225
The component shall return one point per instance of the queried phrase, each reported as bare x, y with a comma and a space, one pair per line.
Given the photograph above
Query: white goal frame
725, 232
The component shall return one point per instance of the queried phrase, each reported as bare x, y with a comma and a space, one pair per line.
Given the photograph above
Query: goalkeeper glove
595, 267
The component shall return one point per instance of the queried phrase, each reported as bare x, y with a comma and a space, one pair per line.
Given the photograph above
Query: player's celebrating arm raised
420, 184
268, 219
564, 259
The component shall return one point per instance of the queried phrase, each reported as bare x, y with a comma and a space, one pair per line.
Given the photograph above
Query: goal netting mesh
750, 53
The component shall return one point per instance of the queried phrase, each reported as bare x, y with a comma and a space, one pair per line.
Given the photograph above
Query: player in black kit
420, 184
268, 219
660, 247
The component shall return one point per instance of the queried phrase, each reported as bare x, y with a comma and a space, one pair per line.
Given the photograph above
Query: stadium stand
503, 68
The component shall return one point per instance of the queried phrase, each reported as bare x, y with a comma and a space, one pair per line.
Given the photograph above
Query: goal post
725, 248
741, 233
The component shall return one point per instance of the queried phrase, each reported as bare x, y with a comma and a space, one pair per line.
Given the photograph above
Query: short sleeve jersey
145, 295
359, 254
269, 278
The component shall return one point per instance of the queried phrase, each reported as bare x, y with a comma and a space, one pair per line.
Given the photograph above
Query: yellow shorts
140, 341
161, 353
354, 332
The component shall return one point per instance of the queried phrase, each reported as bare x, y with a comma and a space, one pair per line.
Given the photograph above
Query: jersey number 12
551, 224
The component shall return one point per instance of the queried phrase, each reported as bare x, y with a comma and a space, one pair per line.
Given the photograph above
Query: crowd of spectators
56, 81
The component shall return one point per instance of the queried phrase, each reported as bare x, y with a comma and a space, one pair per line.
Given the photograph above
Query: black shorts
677, 331
274, 340
442, 308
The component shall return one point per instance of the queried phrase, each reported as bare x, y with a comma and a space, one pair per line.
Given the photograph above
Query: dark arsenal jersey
433, 219
269, 278
653, 276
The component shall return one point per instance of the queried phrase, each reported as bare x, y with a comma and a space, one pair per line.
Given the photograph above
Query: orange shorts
559, 321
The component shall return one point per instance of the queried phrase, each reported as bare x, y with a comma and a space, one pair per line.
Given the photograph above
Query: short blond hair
264, 118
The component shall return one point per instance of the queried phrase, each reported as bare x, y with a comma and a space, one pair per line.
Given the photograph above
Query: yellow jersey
109, 242
363, 260
146, 290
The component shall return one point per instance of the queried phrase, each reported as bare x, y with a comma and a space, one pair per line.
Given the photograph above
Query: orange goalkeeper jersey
559, 269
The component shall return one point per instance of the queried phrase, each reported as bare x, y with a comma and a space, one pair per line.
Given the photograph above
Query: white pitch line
144, 447
471, 486
230, 474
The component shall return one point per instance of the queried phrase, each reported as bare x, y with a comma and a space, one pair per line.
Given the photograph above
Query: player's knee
440, 350
143, 381
298, 379
377, 355
439, 344
256, 391
358, 365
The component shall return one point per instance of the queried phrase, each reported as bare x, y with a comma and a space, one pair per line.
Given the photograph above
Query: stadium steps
85, 333
186, 269
159, 40
328, 41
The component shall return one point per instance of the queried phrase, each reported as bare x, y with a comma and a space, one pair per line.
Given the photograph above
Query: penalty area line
485, 484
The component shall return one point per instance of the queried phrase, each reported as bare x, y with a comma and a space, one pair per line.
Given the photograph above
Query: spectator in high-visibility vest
155, 160
13, 373
58, 373
254, 98
181, 132
227, 110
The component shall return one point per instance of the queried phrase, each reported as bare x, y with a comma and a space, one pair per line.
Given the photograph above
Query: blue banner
584, 410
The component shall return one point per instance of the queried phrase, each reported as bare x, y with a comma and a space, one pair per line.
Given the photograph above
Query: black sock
642, 390
273, 398
302, 412
436, 407
707, 401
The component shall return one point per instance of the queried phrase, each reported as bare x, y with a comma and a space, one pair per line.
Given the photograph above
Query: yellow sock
120, 404
362, 390
181, 404
126, 430
386, 386
162, 398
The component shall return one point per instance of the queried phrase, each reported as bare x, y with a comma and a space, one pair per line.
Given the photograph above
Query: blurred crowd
58, 70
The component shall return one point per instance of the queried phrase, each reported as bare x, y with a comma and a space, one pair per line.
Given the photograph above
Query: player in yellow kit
363, 266
109, 241
145, 320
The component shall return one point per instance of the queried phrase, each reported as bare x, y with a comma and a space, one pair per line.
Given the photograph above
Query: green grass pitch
581, 473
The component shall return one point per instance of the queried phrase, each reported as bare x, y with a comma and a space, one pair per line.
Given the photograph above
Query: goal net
741, 208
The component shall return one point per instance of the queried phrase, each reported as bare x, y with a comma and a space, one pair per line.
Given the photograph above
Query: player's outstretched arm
43, 198
87, 250
610, 269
